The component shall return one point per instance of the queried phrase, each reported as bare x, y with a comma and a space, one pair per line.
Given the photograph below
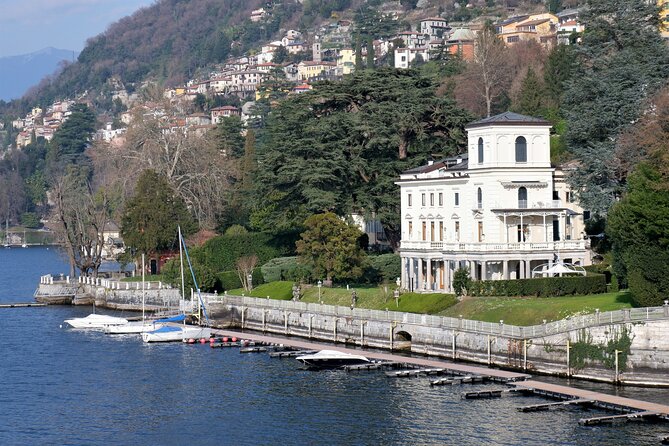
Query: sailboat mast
143, 289
181, 259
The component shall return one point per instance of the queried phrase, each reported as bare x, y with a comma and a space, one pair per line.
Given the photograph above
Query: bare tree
82, 215
199, 172
487, 75
245, 266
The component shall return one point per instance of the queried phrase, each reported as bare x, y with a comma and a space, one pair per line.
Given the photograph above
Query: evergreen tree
557, 71
71, 138
530, 100
280, 55
358, 54
149, 223
621, 61
370, 53
330, 247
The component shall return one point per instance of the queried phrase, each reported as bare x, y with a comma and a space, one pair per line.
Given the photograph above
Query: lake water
62, 386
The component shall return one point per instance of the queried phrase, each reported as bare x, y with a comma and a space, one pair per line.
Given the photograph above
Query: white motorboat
171, 333
329, 359
97, 321
132, 327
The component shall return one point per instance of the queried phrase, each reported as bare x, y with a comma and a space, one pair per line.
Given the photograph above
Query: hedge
221, 253
544, 287
285, 268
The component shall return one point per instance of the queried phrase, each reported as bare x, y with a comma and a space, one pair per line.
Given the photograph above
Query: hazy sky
27, 26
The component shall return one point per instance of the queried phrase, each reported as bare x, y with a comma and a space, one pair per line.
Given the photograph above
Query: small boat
143, 326
98, 321
171, 333
330, 359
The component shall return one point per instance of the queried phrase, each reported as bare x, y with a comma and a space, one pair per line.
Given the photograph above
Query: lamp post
320, 283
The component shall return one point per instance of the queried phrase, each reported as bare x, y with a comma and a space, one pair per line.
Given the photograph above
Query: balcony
566, 245
526, 205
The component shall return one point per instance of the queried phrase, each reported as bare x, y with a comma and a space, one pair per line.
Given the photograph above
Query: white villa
500, 209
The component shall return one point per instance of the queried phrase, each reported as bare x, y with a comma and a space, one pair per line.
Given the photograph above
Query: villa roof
508, 118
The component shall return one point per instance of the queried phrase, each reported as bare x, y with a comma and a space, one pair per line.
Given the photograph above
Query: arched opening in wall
402, 341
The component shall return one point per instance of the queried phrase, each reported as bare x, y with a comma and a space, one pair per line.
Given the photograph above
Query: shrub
275, 269
544, 286
462, 282
385, 268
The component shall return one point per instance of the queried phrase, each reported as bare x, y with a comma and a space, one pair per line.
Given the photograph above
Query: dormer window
480, 150
521, 149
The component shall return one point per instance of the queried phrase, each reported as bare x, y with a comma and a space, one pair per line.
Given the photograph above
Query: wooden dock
23, 305
630, 409
548, 406
636, 408
461, 369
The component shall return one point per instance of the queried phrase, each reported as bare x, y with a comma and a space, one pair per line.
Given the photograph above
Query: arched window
522, 198
479, 198
480, 150
521, 149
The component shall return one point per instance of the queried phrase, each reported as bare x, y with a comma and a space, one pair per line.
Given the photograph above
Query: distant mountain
19, 73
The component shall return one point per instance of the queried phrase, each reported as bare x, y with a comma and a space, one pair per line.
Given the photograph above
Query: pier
23, 305
518, 383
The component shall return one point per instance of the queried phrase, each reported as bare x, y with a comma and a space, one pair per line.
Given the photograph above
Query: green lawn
375, 298
533, 310
147, 277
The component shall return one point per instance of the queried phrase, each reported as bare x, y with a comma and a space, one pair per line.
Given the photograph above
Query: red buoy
191, 341
212, 340
234, 339
225, 339
203, 340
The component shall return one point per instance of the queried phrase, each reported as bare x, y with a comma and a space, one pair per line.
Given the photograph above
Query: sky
27, 26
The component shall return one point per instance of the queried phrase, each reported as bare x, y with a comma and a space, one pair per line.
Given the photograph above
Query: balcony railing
495, 247
525, 204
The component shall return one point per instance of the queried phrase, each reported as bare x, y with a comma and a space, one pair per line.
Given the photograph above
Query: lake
63, 386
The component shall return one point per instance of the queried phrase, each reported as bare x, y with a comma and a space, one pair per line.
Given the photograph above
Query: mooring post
285, 322
524, 354
617, 380
568, 366
311, 322
334, 331
264, 320
362, 333
489, 358
453, 354
243, 311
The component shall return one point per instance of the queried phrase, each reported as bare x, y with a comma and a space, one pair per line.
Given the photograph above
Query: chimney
316, 56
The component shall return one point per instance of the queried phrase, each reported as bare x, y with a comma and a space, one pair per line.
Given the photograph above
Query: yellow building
538, 27
664, 17
346, 61
309, 69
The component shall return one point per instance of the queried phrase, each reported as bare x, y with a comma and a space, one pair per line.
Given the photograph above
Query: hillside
172, 40
19, 73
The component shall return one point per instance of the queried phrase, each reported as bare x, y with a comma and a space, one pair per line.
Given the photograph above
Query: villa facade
500, 209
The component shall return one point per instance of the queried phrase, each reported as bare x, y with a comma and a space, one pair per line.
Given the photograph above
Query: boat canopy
166, 329
178, 318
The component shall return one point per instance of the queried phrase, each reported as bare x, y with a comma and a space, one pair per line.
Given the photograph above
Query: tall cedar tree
152, 215
71, 138
621, 61
340, 147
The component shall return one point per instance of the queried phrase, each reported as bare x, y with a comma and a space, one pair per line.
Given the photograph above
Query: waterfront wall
582, 347
577, 349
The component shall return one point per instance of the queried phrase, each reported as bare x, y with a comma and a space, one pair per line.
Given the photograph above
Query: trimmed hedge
540, 287
221, 253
